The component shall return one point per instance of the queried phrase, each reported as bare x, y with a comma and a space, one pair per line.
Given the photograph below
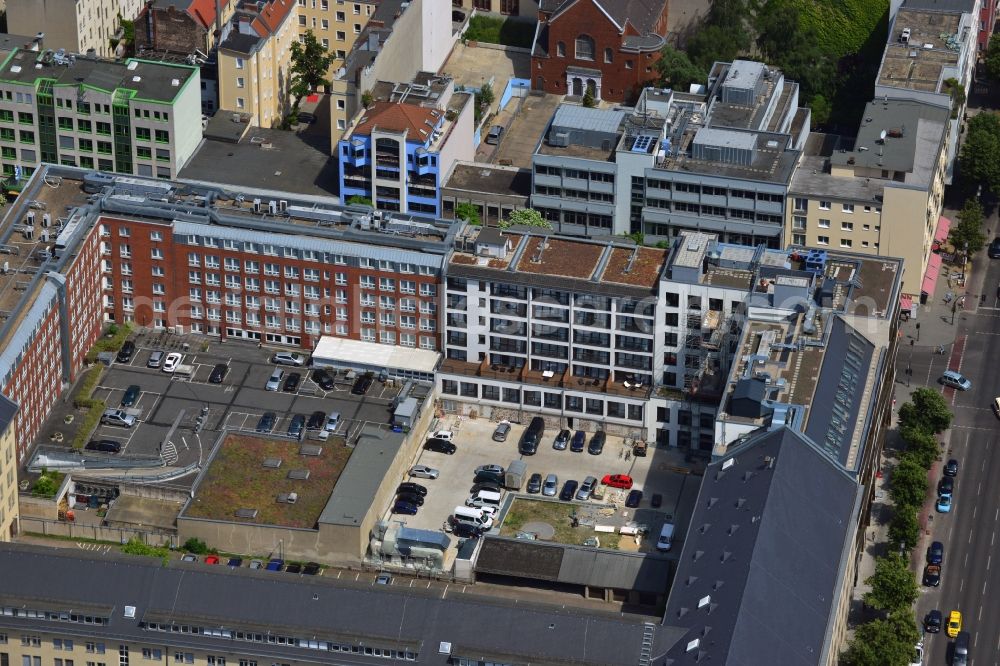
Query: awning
943, 227
931, 274
906, 302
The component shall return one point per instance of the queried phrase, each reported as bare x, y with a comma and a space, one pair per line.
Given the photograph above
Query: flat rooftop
490, 178
249, 473
639, 266
813, 177
156, 81
773, 161
579, 150
933, 43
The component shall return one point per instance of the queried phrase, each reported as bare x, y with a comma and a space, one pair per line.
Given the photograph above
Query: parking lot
653, 474
236, 403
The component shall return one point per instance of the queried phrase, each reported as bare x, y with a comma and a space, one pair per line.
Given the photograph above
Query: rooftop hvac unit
46, 220
44, 237
282, 205
256, 205
272, 207
29, 233
29, 219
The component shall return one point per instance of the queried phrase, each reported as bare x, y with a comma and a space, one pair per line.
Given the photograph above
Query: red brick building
608, 46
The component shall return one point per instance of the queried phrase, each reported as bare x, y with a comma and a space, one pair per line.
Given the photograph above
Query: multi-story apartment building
76, 26
336, 25
883, 195
254, 60
717, 161
400, 149
8, 470
135, 117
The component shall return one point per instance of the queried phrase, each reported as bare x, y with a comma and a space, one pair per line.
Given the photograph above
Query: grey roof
940, 6
358, 484
239, 42
8, 410
321, 609
490, 236
748, 398
594, 120
642, 14
839, 394
726, 138
150, 80
762, 564
813, 179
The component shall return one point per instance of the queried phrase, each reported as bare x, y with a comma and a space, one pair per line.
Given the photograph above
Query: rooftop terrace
924, 43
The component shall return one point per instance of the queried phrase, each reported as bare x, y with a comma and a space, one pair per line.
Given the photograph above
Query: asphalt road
970, 580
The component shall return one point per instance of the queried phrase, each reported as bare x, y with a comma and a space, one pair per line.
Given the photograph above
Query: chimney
39, 42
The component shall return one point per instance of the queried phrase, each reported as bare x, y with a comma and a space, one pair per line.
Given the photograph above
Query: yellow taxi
954, 623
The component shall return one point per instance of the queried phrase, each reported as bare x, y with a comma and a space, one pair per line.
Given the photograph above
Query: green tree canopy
310, 63
927, 409
904, 530
993, 58
676, 69
884, 642
979, 158
968, 233
360, 201
909, 483
893, 587
527, 217
921, 445
468, 212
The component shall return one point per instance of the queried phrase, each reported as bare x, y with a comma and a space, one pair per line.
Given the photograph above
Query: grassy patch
110, 344
47, 485
557, 514
495, 30
86, 425
137, 547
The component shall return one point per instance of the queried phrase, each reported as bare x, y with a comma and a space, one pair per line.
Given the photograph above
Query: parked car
946, 486
935, 553
994, 249
944, 504
383, 579
131, 396
586, 488
188, 557
117, 417
550, 486
289, 358
405, 508
218, 373
412, 498
951, 468
623, 481
568, 490
235, 562
316, 420
493, 136
466, 531
104, 445
171, 362
534, 484
955, 380
440, 446
256, 564
579, 439
446, 435
410, 487
489, 486
487, 479
490, 469
293, 568
126, 352
932, 575
633, 499
501, 432
274, 381
155, 359
211, 559
933, 621
423, 472
266, 422
656, 501
291, 384
311, 569
332, 420
306, 118
918, 655
561, 441
596, 445
275, 564
362, 384
296, 425
954, 623
323, 379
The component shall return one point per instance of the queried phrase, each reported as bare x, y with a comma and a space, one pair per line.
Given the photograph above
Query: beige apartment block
255, 56
336, 25
74, 25
8, 470
883, 195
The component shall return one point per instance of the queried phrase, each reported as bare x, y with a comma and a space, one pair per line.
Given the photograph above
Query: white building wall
186, 133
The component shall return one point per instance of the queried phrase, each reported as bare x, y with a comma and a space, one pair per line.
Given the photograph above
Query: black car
296, 425
131, 396
126, 352
466, 531
306, 118
440, 446
932, 575
933, 621
568, 490
633, 499
412, 498
404, 507
411, 487
316, 421
105, 445
656, 500
951, 469
488, 485
293, 568
579, 438
362, 384
266, 422
218, 373
935, 553
323, 379
994, 250
596, 443
946, 486
310, 569
535, 483
292, 382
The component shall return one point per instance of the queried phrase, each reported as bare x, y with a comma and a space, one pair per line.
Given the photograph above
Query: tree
993, 58
360, 201
486, 95
196, 546
909, 483
588, 98
904, 530
884, 642
968, 235
927, 409
468, 212
367, 99
957, 92
921, 446
526, 217
980, 155
676, 69
893, 587
310, 63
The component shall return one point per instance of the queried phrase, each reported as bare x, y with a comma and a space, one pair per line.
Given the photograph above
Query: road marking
185, 443
979, 489
988, 560
961, 427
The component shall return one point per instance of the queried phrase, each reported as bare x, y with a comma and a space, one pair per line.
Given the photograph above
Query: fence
96, 532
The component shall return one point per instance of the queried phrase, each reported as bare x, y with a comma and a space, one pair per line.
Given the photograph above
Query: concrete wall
458, 145
56, 18
437, 36
96, 532
186, 132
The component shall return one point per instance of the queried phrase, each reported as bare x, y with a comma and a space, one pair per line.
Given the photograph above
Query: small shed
406, 414
748, 398
491, 243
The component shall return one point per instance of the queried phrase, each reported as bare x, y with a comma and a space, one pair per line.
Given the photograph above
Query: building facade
77, 26
181, 28
597, 45
8, 470
136, 117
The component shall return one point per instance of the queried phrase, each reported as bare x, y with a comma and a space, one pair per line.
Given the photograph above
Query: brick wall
167, 29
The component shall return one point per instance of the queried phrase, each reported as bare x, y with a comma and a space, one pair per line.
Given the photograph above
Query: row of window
799, 223
800, 239
707, 190
597, 176
802, 205
537, 398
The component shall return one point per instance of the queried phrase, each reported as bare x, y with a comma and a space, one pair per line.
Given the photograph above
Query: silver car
289, 358
550, 486
583, 494
423, 472
274, 383
118, 417
155, 358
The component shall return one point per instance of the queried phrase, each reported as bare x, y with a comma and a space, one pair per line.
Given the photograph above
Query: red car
617, 481
211, 559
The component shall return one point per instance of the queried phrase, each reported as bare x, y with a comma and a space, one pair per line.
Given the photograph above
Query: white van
484, 498
446, 435
477, 517
666, 537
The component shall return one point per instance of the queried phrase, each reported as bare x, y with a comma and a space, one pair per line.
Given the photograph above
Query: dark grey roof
748, 397
834, 411
922, 127
357, 486
325, 608
764, 556
490, 236
238, 42
8, 410
940, 6
642, 14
